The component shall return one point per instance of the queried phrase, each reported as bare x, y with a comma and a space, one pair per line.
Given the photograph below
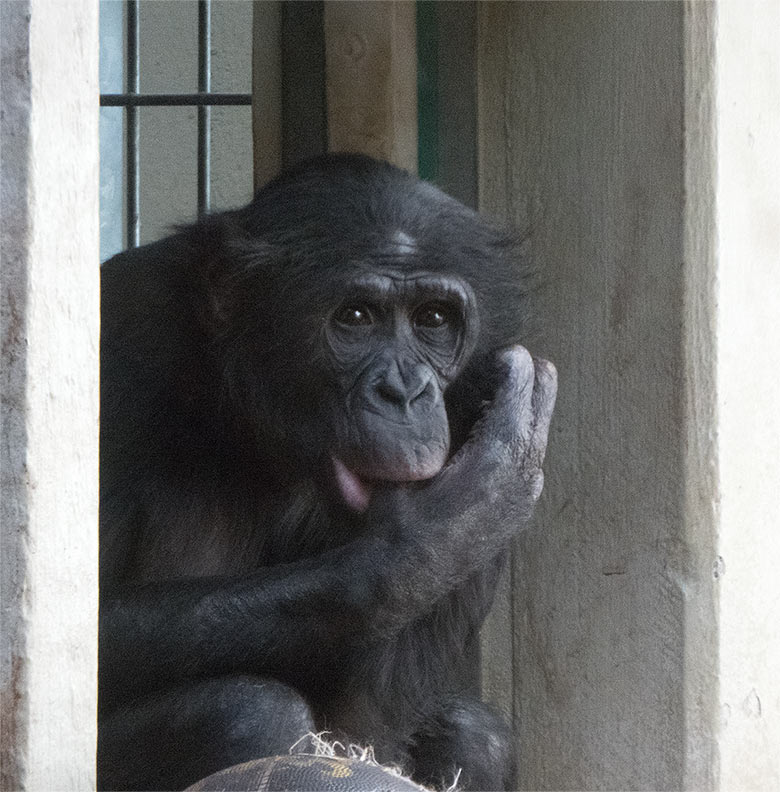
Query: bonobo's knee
260, 716
466, 737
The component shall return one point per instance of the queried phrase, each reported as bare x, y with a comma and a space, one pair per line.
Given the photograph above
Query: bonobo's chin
355, 486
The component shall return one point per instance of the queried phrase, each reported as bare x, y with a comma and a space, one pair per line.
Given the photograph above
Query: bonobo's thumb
520, 412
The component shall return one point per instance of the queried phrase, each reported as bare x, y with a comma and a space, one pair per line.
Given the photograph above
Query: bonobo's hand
505, 452
497, 475
450, 526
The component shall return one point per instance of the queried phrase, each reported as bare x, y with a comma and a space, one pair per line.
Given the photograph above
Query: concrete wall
48, 455
634, 643
590, 98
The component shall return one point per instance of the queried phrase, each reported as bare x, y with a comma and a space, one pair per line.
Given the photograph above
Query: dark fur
241, 603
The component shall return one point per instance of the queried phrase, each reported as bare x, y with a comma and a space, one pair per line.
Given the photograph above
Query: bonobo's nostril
391, 392
425, 388
405, 390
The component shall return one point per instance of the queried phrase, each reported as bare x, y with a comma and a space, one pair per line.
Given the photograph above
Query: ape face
394, 344
359, 293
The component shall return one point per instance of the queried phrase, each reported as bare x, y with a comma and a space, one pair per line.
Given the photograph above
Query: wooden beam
371, 79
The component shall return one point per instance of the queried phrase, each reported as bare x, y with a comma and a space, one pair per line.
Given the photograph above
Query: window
175, 118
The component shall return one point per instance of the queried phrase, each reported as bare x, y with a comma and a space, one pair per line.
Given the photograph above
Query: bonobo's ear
218, 257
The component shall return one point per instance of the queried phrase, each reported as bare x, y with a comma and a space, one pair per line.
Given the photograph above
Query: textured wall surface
582, 140
635, 643
48, 456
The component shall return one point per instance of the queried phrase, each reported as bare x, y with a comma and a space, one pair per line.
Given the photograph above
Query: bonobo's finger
543, 404
510, 416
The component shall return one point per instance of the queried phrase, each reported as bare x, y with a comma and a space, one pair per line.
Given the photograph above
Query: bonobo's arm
429, 538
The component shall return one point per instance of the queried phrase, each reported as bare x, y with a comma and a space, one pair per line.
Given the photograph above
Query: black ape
287, 543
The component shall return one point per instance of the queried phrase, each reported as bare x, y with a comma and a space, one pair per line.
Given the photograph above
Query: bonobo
319, 434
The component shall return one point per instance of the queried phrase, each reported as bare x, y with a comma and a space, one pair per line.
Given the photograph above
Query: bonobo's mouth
355, 489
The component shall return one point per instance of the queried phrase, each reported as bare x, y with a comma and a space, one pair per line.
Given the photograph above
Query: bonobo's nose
403, 388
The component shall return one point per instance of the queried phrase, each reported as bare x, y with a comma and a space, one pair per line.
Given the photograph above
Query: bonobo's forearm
278, 621
270, 622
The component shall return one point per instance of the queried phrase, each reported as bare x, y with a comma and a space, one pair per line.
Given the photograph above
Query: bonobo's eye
353, 316
434, 314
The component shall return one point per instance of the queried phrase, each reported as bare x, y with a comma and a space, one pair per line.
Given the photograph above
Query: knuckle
519, 364
546, 376
533, 483
537, 484
547, 372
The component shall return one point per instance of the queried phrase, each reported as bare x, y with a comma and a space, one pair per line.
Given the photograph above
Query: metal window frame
132, 99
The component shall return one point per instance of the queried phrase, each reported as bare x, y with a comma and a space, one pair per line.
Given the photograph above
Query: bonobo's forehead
394, 285
394, 248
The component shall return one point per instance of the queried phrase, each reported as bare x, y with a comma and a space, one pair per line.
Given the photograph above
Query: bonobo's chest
386, 689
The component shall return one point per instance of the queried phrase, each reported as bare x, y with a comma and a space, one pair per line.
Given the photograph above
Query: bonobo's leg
469, 736
171, 740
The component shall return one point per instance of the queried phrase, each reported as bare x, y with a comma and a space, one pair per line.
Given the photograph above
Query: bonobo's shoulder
150, 301
150, 277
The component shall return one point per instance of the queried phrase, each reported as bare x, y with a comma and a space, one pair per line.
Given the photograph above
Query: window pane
112, 147
112, 46
112, 187
168, 46
231, 156
169, 173
231, 46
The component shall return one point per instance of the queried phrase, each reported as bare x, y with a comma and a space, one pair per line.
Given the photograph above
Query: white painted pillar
747, 172
48, 455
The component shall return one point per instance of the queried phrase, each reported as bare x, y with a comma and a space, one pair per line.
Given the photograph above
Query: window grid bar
204, 111
174, 100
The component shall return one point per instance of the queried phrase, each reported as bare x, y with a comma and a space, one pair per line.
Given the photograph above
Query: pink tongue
356, 493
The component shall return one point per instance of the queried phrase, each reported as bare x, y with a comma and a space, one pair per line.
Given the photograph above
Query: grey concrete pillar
635, 644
